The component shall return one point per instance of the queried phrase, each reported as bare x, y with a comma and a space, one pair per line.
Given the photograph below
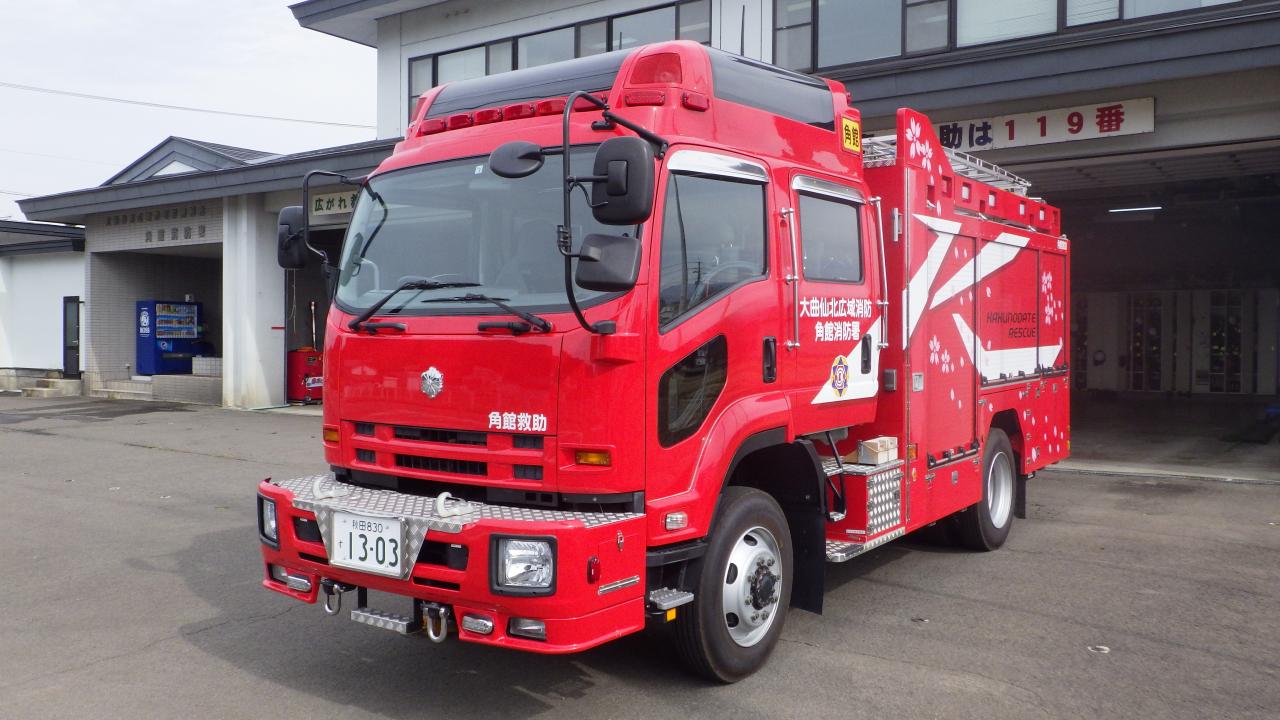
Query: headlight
528, 565
267, 520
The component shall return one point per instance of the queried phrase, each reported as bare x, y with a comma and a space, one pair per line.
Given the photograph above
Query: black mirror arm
306, 206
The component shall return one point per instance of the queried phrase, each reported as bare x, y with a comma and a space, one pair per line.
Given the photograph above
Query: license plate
371, 544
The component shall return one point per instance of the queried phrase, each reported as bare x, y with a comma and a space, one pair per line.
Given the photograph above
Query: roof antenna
742, 32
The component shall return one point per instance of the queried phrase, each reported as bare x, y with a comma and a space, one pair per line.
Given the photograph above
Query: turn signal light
331, 434
593, 457
676, 520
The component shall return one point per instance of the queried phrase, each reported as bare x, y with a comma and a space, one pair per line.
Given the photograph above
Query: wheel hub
763, 584
750, 595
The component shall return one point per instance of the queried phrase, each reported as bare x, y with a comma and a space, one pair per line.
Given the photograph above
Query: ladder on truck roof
883, 151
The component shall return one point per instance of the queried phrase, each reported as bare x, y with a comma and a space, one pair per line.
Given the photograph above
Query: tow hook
437, 624
333, 591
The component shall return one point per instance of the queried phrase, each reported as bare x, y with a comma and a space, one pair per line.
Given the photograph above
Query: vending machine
167, 335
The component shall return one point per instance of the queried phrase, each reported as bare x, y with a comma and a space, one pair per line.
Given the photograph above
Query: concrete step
42, 392
120, 394
47, 387
129, 386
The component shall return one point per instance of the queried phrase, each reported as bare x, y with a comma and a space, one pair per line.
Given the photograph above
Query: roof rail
883, 151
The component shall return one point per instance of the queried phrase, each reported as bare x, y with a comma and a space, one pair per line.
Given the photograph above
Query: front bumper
448, 560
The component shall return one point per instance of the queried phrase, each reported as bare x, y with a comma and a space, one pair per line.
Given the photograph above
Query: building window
793, 34
927, 26
545, 48
499, 57
856, 32
986, 21
593, 38
1083, 12
421, 79
695, 21
1142, 8
645, 27
461, 65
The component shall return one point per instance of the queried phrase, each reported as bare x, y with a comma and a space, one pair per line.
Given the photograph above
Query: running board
667, 598
840, 550
395, 622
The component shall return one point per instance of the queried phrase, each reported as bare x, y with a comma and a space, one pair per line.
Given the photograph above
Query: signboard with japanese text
337, 203
1082, 122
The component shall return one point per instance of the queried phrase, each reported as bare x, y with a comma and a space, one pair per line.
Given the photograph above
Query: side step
395, 622
668, 598
840, 550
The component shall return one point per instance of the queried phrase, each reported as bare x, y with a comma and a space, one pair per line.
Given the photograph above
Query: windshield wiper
541, 323
363, 317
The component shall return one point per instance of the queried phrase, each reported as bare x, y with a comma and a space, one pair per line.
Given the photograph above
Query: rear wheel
985, 526
743, 589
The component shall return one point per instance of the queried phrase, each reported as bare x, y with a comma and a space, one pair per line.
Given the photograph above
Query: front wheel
985, 526
743, 589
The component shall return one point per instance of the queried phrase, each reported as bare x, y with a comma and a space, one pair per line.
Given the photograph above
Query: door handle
770, 368
866, 354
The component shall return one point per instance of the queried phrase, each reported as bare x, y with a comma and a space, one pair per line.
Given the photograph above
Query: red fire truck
648, 338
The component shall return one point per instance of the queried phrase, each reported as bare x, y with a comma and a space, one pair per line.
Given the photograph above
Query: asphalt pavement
131, 589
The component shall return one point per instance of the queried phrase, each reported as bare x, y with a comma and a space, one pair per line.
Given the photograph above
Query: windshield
458, 225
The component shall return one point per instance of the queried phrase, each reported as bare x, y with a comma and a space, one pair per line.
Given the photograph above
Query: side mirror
608, 263
291, 253
624, 194
516, 159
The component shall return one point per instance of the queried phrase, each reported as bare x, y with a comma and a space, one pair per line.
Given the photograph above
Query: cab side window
831, 235
713, 238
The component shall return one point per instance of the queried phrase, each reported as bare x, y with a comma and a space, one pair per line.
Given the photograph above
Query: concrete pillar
252, 307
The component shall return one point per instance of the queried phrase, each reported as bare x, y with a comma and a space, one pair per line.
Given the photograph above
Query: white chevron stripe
991, 363
993, 256
915, 295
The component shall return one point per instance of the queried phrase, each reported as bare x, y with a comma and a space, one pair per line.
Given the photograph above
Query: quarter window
712, 239
831, 238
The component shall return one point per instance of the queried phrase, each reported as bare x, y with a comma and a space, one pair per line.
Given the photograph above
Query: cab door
838, 328
717, 335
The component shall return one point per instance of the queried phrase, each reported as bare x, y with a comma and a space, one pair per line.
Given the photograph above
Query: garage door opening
306, 312
1176, 310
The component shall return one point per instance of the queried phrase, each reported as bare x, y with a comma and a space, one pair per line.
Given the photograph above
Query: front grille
431, 464
436, 435
364, 455
364, 428
527, 442
527, 472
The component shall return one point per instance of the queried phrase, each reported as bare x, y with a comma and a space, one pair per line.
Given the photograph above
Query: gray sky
238, 55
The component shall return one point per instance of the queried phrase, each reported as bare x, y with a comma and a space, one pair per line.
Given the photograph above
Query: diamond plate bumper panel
418, 513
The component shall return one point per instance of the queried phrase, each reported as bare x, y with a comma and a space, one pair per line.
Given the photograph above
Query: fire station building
1154, 124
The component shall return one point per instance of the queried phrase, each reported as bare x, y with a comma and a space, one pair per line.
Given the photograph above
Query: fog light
593, 457
676, 520
528, 628
526, 564
477, 624
267, 521
278, 573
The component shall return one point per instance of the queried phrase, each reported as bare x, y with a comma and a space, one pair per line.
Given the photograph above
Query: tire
747, 571
985, 526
